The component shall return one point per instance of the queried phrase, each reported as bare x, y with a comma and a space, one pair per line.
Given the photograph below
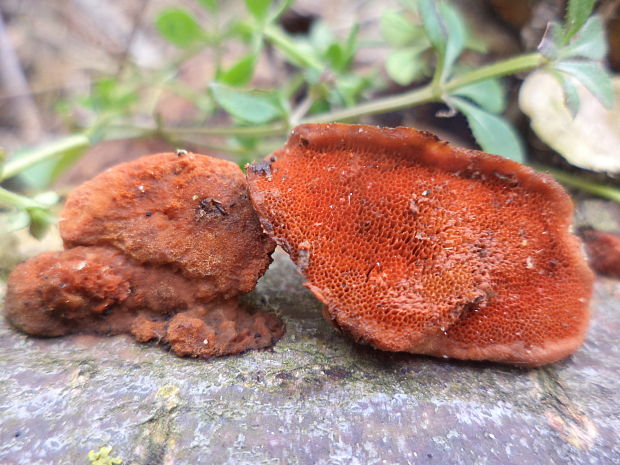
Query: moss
102, 457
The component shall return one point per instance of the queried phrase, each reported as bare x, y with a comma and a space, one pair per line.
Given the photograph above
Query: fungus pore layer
415, 245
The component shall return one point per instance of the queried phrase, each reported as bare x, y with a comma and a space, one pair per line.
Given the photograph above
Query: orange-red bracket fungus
159, 248
415, 245
604, 251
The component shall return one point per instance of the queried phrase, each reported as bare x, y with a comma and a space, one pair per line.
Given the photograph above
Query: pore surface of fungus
157, 248
415, 245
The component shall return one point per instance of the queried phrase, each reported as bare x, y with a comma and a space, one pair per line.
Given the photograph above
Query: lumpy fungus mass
158, 248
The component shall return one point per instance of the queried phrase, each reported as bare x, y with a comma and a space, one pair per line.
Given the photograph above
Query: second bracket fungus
415, 245
158, 248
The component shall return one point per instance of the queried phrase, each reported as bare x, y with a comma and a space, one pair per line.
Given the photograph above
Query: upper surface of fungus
415, 245
186, 210
158, 248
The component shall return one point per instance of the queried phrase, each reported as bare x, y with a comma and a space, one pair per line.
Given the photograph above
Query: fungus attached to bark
414, 245
159, 248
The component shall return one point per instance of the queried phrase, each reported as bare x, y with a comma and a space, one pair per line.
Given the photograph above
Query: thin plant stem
49, 151
9, 198
570, 180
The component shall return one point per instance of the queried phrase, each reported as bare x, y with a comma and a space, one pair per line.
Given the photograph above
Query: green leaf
577, 14
258, 8
210, 5
240, 73
592, 76
108, 95
405, 65
571, 95
179, 27
492, 132
590, 42
446, 30
433, 26
489, 95
351, 86
397, 30
335, 56
40, 221
250, 106
350, 47
457, 36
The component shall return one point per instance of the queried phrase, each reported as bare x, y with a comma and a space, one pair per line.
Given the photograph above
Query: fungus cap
415, 245
604, 251
184, 210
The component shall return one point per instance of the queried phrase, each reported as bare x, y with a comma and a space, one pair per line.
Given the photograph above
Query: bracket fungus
604, 252
159, 248
415, 245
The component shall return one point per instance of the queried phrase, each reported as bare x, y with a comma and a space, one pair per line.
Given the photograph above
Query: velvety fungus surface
604, 252
157, 248
415, 245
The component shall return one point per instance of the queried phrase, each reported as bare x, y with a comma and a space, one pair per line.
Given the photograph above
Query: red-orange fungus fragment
604, 252
414, 245
158, 248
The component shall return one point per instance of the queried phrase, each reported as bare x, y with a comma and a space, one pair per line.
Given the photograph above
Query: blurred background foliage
86, 84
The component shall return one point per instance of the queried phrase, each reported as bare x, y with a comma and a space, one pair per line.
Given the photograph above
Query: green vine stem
570, 180
20, 201
428, 93
49, 151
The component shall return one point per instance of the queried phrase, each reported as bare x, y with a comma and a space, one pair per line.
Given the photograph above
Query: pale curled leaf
590, 139
492, 132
